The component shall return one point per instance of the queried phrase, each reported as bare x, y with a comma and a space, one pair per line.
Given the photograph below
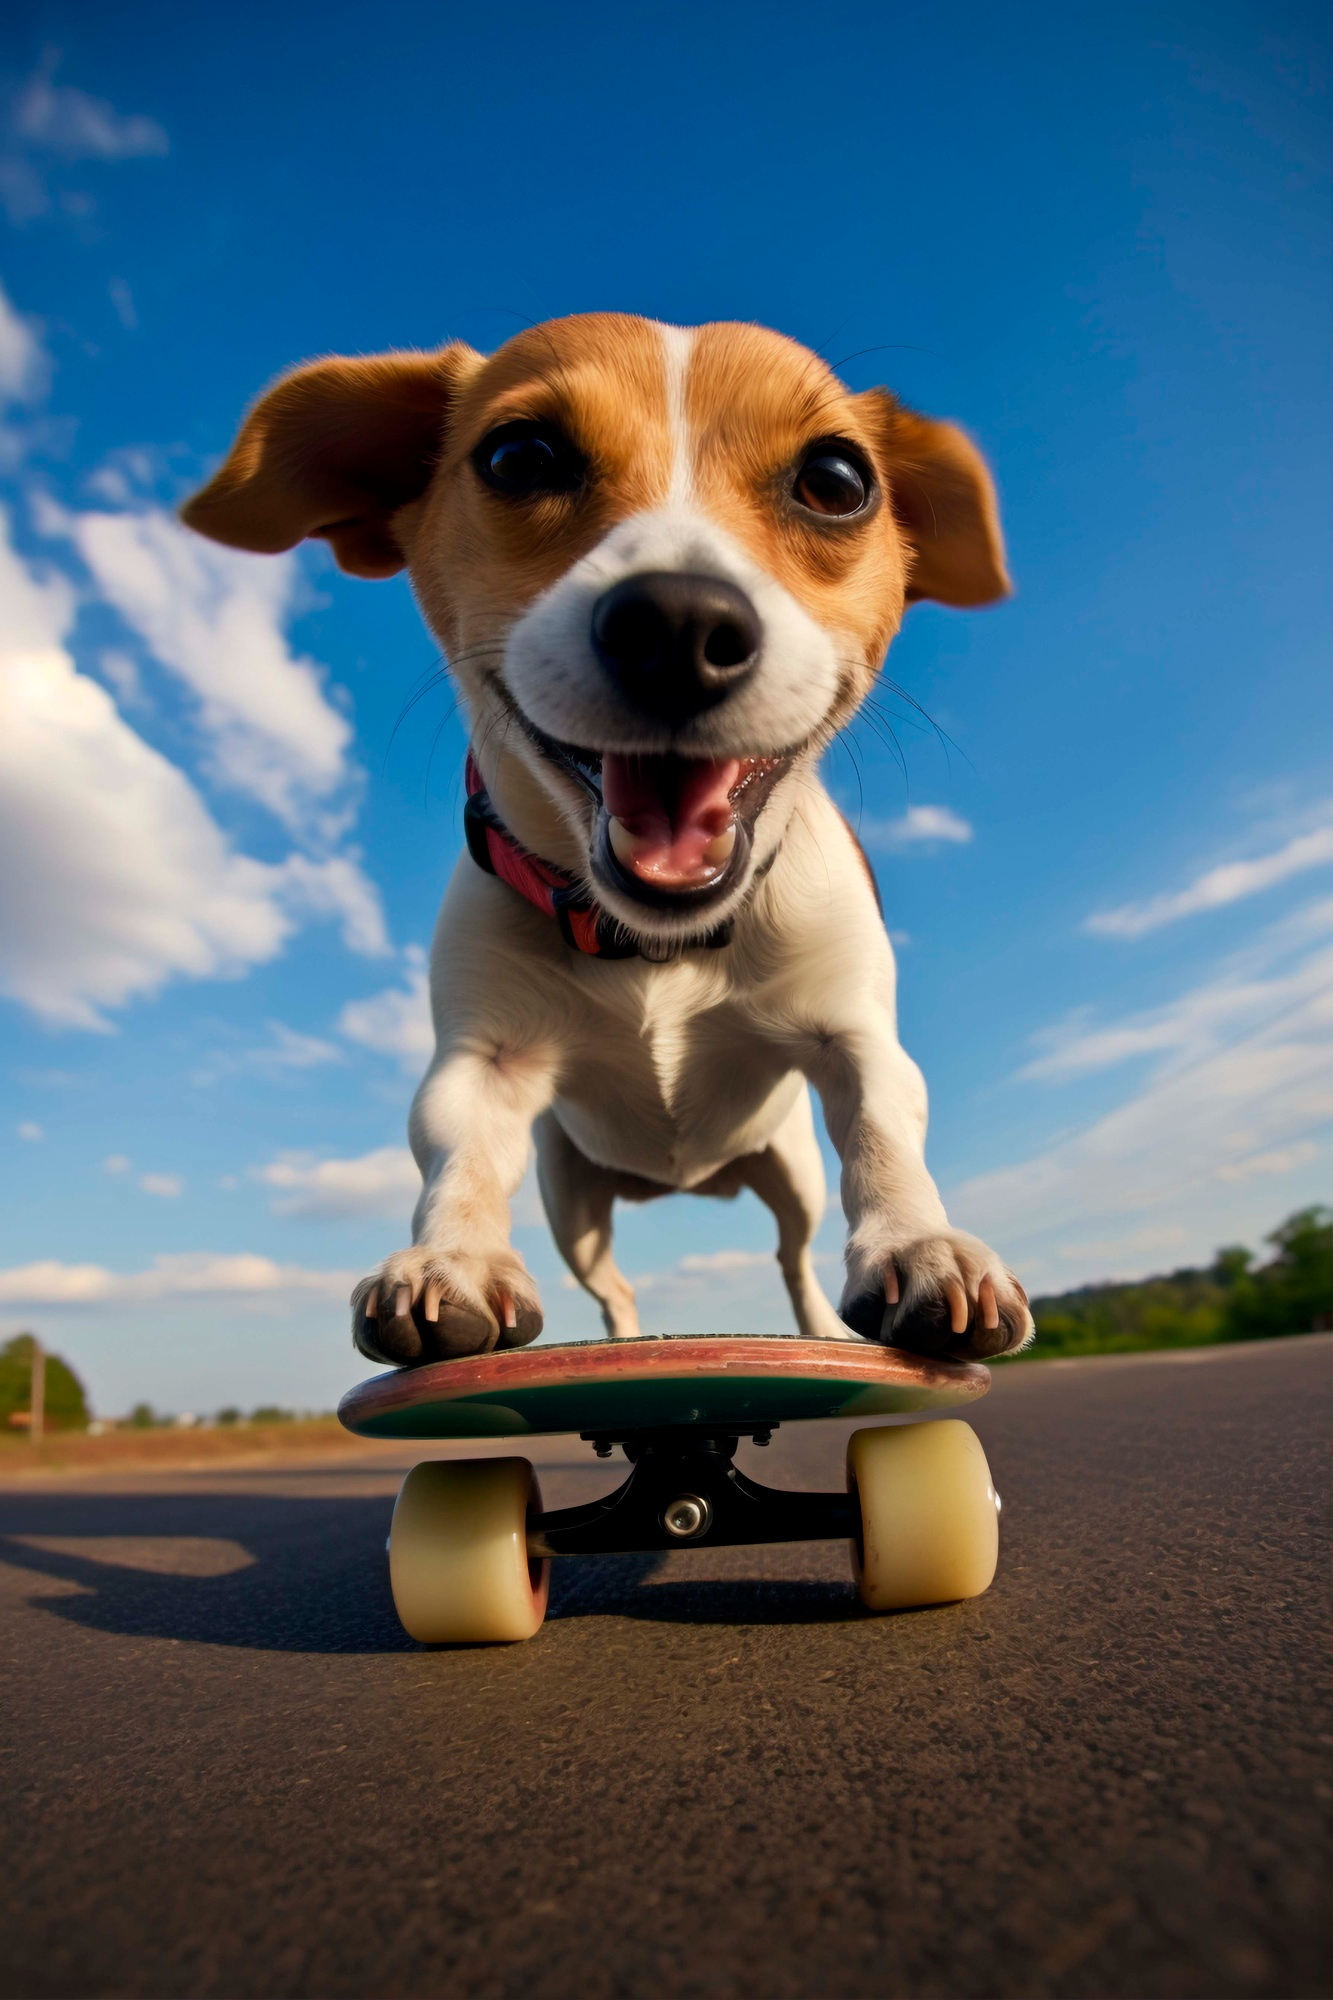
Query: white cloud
117, 877
102, 830
36, 608
24, 367
287, 1051
1240, 1093
1218, 887
396, 1022
123, 675
116, 1163
215, 618
385, 1182
129, 476
29, 1130
60, 119
48, 121
182, 1275
167, 1186
1282, 1160
920, 826
1195, 1024
290, 1049
708, 1263
335, 888
122, 298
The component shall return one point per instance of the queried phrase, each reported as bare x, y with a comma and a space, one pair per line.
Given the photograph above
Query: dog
665, 566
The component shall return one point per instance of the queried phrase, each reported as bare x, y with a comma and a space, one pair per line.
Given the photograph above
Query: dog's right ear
335, 449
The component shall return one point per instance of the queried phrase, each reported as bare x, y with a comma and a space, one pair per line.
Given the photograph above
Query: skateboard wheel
929, 1514
458, 1552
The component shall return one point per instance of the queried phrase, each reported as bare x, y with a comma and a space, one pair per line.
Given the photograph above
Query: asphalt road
229, 1773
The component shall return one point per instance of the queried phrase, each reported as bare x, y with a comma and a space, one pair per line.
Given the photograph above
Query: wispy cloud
187, 1274
1282, 1160
920, 826
166, 1186
1239, 1096
47, 123
385, 1182
1218, 887
215, 618
397, 1021
287, 1053
116, 839
24, 367
708, 1263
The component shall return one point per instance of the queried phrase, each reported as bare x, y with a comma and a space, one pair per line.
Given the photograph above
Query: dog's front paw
428, 1305
946, 1295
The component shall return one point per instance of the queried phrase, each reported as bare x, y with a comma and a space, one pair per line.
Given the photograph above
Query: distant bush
269, 1413
1231, 1300
143, 1417
1292, 1294
227, 1416
66, 1405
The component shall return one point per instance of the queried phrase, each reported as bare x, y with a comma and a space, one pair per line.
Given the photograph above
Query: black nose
676, 644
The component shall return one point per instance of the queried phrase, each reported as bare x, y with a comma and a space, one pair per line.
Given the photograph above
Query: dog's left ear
944, 502
335, 449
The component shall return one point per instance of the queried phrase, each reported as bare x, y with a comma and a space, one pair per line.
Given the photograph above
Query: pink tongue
674, 807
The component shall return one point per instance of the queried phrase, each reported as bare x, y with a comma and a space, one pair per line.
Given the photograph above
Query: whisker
887, 347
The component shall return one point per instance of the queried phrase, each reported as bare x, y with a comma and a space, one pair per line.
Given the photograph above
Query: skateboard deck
619, 1387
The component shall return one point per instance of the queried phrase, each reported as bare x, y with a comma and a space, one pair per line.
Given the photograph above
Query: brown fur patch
755, 401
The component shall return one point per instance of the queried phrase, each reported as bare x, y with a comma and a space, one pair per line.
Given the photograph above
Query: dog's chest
671, 1078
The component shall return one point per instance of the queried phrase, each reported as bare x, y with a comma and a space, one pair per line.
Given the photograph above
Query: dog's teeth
624, 844
718, 852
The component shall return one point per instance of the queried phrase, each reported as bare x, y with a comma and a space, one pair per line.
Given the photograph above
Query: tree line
1234, 1298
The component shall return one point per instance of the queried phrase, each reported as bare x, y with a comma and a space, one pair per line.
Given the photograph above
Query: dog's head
664, 564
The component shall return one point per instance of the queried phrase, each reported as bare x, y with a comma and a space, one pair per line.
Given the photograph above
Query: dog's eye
831, 482
521, 458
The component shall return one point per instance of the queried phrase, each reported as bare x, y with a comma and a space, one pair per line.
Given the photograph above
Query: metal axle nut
686, 1517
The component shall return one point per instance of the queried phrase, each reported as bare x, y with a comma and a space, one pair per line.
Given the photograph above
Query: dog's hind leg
577, 1196
789, 1177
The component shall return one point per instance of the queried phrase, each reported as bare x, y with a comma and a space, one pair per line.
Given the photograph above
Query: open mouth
671, 831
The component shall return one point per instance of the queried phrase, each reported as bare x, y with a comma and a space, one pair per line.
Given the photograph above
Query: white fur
555, 676
673, 1073
677, 345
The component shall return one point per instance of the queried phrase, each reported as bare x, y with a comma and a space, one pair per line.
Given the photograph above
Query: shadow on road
309, 1575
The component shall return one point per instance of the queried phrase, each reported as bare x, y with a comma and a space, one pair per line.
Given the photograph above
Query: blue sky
1098, 237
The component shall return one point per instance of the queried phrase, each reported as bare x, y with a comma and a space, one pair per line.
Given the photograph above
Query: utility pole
37, 1400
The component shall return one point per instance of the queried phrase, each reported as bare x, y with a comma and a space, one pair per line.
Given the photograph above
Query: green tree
1293, 1293
66, 1405
143, 1417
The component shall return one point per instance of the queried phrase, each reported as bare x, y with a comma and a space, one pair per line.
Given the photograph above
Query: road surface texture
229, 1773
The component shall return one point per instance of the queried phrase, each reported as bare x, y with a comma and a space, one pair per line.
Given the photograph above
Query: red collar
583, 923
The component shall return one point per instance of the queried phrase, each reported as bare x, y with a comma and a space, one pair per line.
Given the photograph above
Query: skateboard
470, 1547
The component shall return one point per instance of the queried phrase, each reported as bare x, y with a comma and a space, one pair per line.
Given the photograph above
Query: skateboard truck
684, 1488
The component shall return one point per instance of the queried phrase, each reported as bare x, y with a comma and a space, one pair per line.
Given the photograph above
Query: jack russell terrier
665, 565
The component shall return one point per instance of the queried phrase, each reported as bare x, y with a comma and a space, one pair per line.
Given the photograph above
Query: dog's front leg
462, 1288
911, 1279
